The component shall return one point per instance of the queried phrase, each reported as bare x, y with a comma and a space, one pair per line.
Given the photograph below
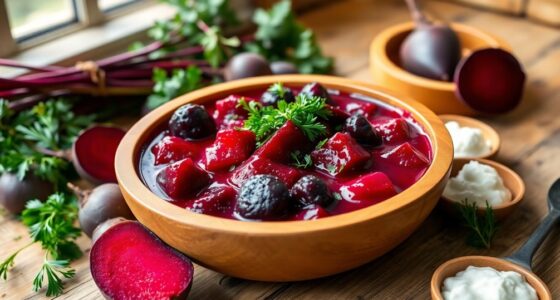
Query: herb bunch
48, 125
305, 112
482, 228
51, 224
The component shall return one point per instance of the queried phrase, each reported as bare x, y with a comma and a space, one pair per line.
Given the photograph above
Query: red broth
401, 170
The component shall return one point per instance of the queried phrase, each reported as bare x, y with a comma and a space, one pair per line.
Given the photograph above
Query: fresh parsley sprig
305, 112
302, 161
482, 227
51, 224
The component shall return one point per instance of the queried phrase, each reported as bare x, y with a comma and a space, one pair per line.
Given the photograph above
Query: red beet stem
16, 64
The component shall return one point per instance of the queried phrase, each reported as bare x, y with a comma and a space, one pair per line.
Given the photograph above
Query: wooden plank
531, 139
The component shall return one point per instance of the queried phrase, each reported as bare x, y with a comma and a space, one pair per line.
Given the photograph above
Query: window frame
87, 14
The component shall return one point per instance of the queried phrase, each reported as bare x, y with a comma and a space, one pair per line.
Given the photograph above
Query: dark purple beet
14, 193
93, 153
246, 64
430, 50
283, 67
102, 203
490, 81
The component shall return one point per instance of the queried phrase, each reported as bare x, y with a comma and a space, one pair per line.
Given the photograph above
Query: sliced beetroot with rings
129, 262
93, 153
490, 81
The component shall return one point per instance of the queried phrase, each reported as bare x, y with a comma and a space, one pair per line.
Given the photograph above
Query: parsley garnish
305, 113
51, 224
482, 228
301, 161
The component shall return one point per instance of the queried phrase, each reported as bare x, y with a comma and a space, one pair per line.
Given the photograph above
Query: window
25, 23
29, 18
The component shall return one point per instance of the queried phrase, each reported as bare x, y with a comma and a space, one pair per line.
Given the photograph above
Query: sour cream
467, 141
477, 183
485, 283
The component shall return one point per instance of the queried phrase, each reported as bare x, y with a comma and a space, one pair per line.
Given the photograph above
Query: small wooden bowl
453, 266
285, 250
437, 95
488, 133
511, 180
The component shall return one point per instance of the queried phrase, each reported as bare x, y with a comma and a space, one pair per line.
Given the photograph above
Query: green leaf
305, 112
180, 82
54, 270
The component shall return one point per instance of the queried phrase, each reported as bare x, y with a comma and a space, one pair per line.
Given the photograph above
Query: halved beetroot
128, 261
392, 130
287, 139
172, 149
406, 156
261, 165
490, 81
93, 153
372, 187
214, 200
231, 147
182, 179
340, 154
312, 212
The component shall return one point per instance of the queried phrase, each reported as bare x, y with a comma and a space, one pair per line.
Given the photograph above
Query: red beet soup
285, 154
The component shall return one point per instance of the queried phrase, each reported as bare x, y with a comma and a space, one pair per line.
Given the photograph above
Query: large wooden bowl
287, 250
439, 96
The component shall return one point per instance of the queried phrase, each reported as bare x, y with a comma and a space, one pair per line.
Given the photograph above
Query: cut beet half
93, 153
130, 262
490, 81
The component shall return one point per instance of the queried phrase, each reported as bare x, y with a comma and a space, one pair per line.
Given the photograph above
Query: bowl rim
520, 184
379, 45
486, 129
126, 159
480, 261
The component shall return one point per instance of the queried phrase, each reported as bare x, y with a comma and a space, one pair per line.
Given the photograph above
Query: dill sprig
482, 227
305, 112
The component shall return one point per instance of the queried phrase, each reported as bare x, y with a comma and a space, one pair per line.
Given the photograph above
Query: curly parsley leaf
167, 87
301, 161
306, 113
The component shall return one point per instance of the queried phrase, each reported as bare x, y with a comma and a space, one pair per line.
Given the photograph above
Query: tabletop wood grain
530, 145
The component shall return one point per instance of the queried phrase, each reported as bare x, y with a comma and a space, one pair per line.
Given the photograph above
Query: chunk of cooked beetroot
128, 261
312, 212
393, 131
230, 105
405, 155
231, 147
341, 154
372, 187
261, 165
172, 149
215, 200
287, 139
366, 109
182, 179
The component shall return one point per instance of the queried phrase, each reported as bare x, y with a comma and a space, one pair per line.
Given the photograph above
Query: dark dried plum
262, 197
277, 92
362, 131
192, 121
310, 190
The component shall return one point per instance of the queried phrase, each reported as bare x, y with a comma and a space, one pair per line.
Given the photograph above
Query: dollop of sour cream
467, 141
485, 283
477, 183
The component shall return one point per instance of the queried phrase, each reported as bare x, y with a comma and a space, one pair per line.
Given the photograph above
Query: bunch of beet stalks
127, 73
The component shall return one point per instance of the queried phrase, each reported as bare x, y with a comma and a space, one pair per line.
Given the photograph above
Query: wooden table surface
531, 146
